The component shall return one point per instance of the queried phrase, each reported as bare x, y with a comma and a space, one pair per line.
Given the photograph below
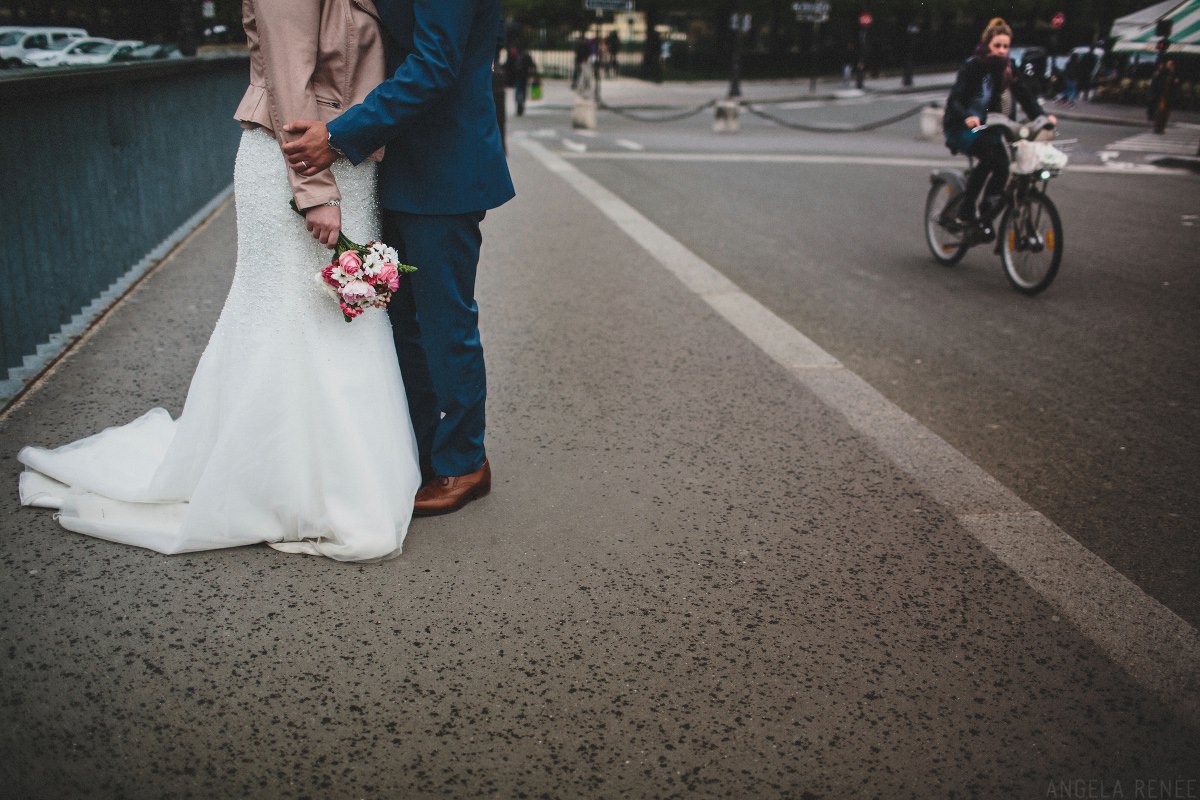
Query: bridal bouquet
361, 276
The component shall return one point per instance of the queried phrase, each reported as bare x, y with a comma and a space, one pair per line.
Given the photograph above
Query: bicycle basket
1029, 157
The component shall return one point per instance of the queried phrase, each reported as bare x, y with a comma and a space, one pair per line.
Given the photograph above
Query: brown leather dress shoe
446, 494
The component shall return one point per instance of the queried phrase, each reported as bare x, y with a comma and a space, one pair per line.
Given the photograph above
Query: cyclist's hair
996, 27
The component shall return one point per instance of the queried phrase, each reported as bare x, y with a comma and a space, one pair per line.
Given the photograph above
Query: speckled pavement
692, 578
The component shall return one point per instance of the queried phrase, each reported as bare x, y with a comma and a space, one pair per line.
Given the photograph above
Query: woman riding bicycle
986, 83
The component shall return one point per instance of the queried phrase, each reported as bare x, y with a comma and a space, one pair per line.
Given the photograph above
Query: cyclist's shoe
959, 223
953, 224
976, 232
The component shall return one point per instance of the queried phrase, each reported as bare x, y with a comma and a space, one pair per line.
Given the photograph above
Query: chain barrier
691, 112
758, 112
869, 126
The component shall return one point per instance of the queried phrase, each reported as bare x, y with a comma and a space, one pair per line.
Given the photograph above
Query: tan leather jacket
309, 59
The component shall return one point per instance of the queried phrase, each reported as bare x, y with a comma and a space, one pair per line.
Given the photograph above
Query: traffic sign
865, 19
608, 5
1058, 20
811, 12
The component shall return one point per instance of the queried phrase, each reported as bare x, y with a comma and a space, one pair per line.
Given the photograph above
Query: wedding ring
304, 164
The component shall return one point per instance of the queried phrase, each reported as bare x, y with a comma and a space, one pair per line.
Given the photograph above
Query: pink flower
350, 262
390, 276
356, 292
327, 276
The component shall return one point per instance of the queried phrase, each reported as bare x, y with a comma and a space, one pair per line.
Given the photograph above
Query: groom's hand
310, 153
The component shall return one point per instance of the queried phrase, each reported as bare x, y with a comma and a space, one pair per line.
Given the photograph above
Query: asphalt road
1085, 401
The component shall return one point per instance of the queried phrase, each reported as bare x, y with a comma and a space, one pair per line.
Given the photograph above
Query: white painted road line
574, 146
1154, 645
628, 145
861, 161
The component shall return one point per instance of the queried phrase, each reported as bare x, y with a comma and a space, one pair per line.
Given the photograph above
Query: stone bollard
930, 121
583, 112
727, 117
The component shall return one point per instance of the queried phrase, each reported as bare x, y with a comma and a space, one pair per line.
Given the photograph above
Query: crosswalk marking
1177, 140
628, 145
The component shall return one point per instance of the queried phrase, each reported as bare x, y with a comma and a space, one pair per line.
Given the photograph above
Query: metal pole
910, 52
188, 39
735, 69
599, 54
816, 37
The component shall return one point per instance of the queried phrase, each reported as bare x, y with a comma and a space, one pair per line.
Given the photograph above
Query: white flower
372, 264
384, 252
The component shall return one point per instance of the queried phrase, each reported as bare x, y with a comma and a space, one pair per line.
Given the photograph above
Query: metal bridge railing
101, 166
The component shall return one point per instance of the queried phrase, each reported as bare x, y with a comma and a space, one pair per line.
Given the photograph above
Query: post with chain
737, 23
815, 13
727, 109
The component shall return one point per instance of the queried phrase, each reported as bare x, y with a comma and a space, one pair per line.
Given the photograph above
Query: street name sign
811, 12
608, 5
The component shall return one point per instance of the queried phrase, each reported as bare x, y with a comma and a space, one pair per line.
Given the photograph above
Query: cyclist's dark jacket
974, 95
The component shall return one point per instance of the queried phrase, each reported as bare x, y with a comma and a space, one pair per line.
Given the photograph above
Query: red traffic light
1058, 20
865, 19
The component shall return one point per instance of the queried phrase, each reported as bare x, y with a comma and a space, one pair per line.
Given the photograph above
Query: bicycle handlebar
1014, 130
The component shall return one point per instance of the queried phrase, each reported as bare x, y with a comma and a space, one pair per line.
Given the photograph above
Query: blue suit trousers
435, 322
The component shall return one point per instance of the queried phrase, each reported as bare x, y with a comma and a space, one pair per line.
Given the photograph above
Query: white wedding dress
295, 431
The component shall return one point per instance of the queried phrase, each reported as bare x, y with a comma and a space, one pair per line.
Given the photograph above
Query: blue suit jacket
435, 114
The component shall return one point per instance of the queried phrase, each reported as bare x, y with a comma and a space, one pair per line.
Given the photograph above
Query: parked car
89, 51
17, 43
154, 52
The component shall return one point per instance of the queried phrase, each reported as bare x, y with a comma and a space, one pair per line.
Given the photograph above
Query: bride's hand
325, 223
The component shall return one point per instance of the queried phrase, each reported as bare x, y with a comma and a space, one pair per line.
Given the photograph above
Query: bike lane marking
1155, 646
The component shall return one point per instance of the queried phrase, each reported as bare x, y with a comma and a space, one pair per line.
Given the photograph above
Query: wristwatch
332, 146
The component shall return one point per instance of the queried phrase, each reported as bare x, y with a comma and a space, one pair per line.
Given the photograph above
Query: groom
444, 167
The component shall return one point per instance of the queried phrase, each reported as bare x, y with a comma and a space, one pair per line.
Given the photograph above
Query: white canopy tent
1185, 32
1138, 20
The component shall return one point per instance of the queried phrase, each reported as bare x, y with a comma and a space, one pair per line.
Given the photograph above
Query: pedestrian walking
1070, 76
1087, 71
583, 52
519, 67
1164, 94
612, 43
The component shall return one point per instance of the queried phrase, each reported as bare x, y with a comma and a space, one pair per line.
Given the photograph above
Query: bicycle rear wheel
947, 241
1031, 243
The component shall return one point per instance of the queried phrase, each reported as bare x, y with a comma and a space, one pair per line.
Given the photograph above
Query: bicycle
1029, 238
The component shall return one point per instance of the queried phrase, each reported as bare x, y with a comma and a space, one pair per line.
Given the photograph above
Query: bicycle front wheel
947, 240
1031, 243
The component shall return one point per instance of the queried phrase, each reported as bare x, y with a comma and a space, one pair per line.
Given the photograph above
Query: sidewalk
695, 575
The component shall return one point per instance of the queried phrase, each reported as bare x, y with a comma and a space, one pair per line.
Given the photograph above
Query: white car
89, 51
18, 42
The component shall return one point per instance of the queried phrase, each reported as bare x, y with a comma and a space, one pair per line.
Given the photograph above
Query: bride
295, 431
